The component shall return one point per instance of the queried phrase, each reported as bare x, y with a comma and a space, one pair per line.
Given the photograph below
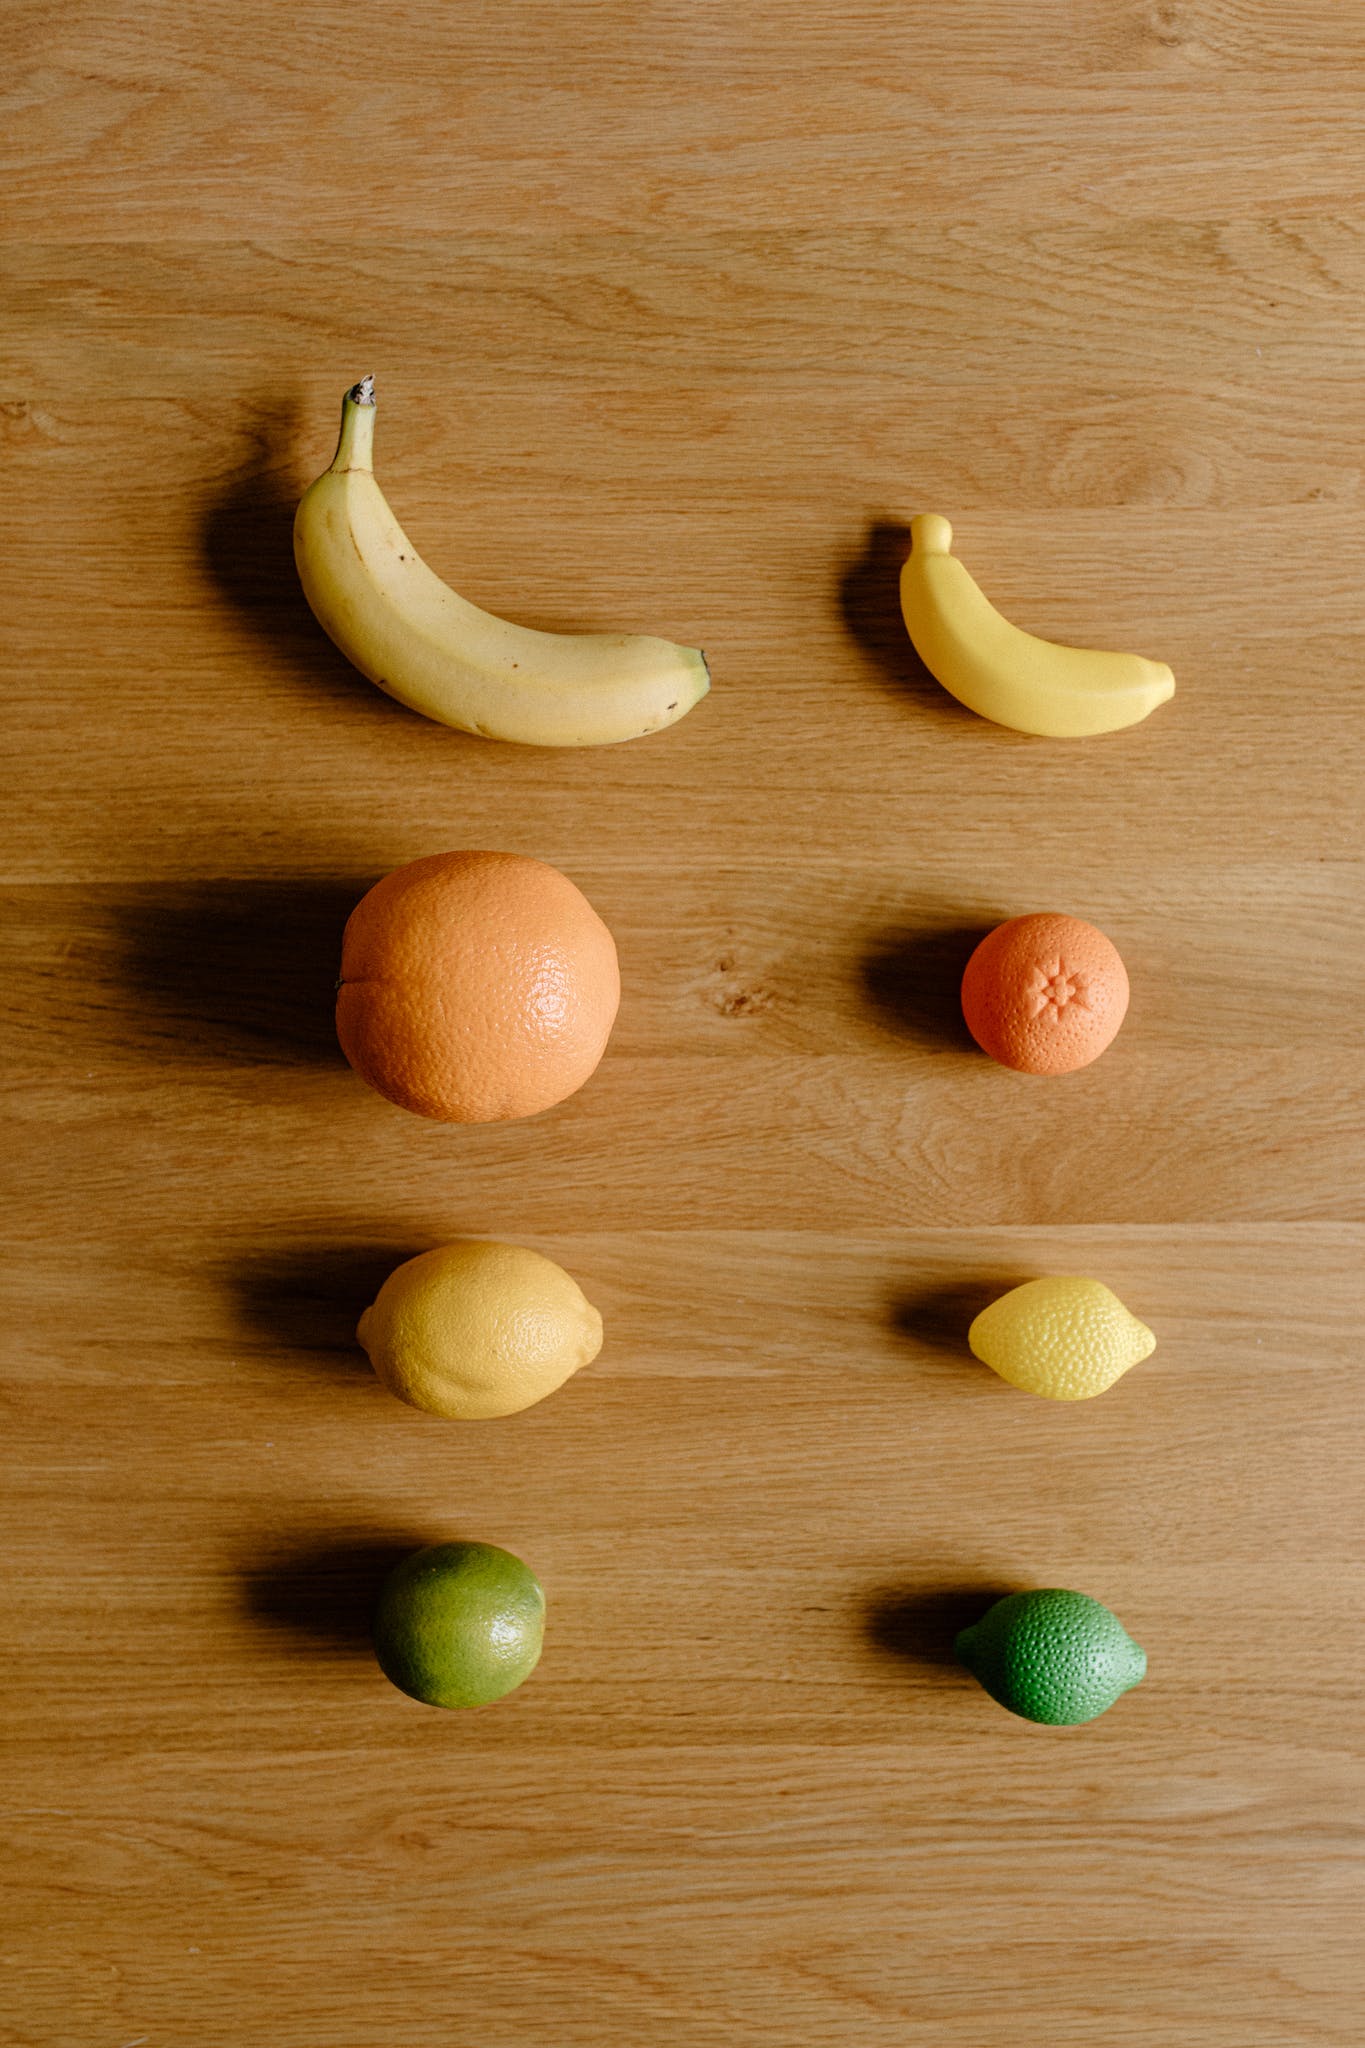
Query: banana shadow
322, 1591
241, 970
921, 1625
913, 979
306, 1299
247, 544
870, 601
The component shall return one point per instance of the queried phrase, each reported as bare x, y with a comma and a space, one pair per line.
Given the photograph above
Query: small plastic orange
476, 986
1044, 994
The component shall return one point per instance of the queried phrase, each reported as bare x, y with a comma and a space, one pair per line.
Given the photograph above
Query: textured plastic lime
1052, 1656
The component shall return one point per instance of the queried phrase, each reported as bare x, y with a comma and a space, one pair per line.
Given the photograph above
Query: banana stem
355, 449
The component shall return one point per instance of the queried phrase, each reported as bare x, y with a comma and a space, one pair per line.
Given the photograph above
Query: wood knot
731, 994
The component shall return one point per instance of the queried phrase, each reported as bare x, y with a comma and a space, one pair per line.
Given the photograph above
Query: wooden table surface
678, 312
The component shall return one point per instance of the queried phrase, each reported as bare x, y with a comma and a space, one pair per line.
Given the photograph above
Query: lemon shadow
306, 1299
937, 1318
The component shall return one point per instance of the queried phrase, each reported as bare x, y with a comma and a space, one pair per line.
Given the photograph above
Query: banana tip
931, 534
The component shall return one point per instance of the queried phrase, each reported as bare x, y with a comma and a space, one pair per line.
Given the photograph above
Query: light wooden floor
678, 311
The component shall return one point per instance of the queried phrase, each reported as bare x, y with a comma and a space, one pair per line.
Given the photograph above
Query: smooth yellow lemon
473, 1330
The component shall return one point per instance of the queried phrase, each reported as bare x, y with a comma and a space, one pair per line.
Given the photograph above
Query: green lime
1052, 1656
459, 1624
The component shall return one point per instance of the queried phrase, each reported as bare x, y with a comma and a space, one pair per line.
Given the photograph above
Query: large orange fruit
1044, 994
476, 986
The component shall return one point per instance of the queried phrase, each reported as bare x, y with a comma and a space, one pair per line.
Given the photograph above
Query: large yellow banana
410, 634
1008, 675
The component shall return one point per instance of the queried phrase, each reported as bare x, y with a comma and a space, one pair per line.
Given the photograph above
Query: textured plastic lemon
459, 1624
1067, 1339
479, 1329
1052, 1656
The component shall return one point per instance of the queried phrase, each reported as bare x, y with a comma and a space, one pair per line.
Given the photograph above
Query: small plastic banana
410, 634
1008, 675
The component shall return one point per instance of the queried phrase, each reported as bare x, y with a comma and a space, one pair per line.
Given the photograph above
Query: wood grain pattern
679, 312
201, 121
